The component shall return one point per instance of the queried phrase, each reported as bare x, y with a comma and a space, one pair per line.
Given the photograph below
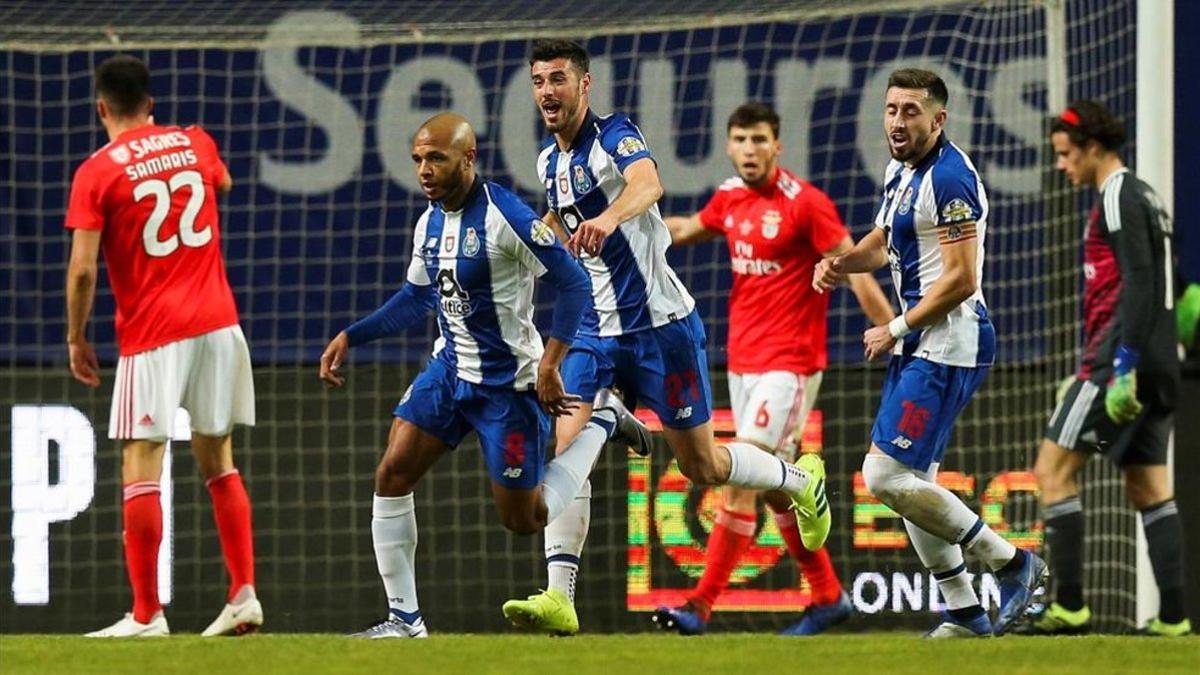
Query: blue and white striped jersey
941, 199
633, 288
482, 261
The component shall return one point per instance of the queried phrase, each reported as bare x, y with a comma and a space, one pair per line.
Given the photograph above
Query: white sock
926, 504
754, 468
565, 536
566, 474
945, 561
985, 545
394, 532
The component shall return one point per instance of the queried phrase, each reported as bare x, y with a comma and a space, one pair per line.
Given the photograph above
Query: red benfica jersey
776, 236
152, 193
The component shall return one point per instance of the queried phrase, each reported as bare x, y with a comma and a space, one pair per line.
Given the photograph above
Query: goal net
313, 109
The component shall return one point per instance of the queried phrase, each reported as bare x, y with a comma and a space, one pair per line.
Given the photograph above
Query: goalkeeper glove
1187, 314
1064, 385
1120, 401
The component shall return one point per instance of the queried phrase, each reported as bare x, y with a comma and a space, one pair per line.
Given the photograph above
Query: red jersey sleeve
85, 210
825, 226
712, 216
214, 168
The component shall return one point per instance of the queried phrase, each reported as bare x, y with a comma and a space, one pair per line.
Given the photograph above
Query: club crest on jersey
471, 243
582, 182
120, 154
629, 146
541, 233
563, 185
905, 201
957, 211
770, 223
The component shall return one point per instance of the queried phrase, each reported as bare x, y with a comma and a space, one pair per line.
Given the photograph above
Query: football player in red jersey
148, 200
777, 227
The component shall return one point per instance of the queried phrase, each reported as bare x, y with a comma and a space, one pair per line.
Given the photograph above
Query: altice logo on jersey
456, 302
498, 103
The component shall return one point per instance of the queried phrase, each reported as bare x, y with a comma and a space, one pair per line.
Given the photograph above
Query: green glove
1120, 401
1064, 385
1187, 314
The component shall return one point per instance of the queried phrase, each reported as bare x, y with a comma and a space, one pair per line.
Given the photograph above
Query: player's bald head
447, 130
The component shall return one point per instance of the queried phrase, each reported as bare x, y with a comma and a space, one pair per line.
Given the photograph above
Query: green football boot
547, 612
1159, 628
1058, 620
812, 508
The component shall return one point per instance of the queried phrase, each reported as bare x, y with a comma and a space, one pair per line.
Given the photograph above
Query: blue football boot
1018, 588
820, 618
684, 620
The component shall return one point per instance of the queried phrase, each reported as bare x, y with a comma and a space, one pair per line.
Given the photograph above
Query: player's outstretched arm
81, 292
868, 255
642, 189
956, 284
688, 229
870, 296
410, 305
551, 218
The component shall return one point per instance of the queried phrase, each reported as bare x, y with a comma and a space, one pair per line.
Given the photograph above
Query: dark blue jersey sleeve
409, 306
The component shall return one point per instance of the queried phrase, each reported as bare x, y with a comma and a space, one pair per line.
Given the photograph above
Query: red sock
815, 565
143, 535
231, 510
730, 537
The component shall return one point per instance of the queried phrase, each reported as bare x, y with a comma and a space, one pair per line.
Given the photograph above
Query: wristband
1125, 360
898, 327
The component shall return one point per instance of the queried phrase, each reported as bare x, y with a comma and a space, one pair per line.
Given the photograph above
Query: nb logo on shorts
513, 472
902, 442
683, 413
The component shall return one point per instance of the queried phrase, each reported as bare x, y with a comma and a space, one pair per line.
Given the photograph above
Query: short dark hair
918, 78
1085, 121
123, 81
548, 50
749, 114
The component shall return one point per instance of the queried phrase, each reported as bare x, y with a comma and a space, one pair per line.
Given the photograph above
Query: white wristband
898, 327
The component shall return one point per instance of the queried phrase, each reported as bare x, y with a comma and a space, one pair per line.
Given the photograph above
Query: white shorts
770, 408
209, 375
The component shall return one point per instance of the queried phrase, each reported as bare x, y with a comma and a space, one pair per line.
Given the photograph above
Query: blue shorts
921, 400
665, 368
512, 428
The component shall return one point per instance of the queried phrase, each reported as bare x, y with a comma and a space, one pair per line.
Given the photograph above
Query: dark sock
1015, 564
966, 613
1064, 536
1164, 539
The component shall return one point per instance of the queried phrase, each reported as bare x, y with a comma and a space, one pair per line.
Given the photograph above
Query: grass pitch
742, 653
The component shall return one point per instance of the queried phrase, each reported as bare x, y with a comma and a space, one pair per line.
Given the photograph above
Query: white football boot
243, 615
394, 627
127, 627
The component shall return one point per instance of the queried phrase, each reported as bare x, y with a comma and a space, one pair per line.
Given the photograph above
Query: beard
911, 150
